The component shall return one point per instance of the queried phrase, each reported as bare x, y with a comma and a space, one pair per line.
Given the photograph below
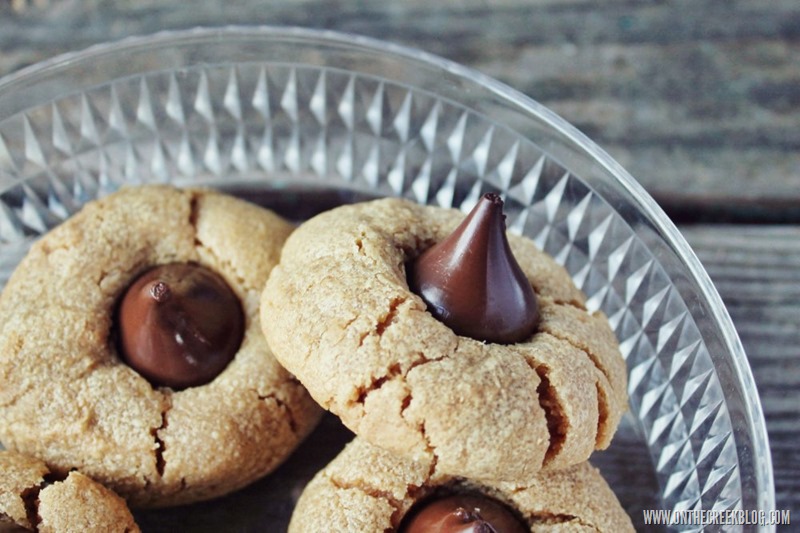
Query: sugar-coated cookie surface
29, 501
338, 313
68, 398
367, 488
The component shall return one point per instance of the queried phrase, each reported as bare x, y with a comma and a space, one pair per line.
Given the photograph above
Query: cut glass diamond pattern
211, 125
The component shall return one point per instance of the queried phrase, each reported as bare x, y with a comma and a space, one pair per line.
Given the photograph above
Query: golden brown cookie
339, 314
369, 489
31, 500
68, 398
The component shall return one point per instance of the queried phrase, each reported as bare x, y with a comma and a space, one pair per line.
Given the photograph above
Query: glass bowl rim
652, 212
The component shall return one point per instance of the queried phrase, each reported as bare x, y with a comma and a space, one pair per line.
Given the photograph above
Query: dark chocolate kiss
179, 325
472, 283
462, 513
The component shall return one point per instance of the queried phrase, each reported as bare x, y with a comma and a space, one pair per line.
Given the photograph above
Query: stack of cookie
174, 345
464, 360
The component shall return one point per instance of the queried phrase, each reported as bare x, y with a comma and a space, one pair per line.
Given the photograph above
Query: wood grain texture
756, 270
700, 101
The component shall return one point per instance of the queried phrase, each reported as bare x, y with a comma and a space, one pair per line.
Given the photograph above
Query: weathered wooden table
700, 100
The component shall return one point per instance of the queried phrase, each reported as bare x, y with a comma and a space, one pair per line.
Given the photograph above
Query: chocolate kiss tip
179, 325
494, 198
472, 283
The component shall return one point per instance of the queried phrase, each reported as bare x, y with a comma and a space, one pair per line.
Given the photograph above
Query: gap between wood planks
719, 210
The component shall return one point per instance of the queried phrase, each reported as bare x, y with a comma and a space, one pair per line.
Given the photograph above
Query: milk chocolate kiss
462, 513
472, 283
179, 325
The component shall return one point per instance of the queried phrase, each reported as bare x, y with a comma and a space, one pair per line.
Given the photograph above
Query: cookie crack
410, 251
160, 447
384, 321
93, 365
566, 303
553, 412
604, 406
194, 215
431, 449
281, 405
550, 519
194, 210
404, 405
389, 318
30, 499
376, 383
411, 492
393, 372
591, 355
359, 242
223, 264
49, 248
369, 491
422, 359
14, 399
602, 416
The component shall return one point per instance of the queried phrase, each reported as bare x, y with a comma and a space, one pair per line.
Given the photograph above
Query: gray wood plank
756, 270
699, 100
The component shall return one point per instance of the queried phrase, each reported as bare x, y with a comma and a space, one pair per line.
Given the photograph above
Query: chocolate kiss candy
472, 283
463, 513
179, 325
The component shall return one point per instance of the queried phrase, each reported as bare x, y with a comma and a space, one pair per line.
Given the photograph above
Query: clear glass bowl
301, 120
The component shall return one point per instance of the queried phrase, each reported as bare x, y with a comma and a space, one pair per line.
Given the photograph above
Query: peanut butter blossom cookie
442, 339
367, 488
130, 348
32, 499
